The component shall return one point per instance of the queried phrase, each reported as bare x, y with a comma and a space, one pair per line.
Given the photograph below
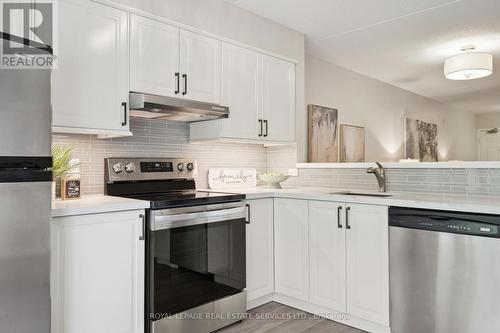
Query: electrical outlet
293, 172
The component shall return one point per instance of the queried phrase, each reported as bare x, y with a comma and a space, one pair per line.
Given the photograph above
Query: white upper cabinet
154, 57
368, 262
278, 111
91, 83
260, 93
260, 250
327, 274
103, 54
240, 90
168, 61
200, 67
291, 248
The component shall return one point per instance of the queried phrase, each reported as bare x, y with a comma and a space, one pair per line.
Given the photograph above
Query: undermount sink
366, 194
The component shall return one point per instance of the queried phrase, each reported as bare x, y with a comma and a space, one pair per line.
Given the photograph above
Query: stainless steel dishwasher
444, 271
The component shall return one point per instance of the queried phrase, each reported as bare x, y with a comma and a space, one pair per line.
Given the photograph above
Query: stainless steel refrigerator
25, 200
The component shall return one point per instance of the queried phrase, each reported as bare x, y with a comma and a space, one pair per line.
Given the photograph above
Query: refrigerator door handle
20, 169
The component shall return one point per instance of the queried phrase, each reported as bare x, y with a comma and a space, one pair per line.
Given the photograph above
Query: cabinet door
368, 262
154, 57
260, 251
200, 59
327, 255
92, 78
291, 248
98, 273
279, 99
241, 91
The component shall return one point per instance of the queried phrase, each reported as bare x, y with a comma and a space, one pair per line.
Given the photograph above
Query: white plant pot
56, 188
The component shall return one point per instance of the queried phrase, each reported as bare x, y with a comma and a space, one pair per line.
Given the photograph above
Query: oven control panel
137, 169
157, 167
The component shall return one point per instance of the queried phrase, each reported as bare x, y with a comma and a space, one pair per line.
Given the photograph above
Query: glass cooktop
185, 198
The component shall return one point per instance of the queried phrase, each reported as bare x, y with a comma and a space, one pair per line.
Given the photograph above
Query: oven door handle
195, 218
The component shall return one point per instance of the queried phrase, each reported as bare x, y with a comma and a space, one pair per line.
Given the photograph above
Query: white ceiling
401, 42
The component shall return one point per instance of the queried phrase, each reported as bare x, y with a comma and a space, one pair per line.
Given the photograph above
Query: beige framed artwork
323, 138
352, 144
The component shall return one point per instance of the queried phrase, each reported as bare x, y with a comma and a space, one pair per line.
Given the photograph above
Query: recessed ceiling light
468, 65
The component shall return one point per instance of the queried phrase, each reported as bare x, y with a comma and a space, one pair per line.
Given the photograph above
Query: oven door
196, 255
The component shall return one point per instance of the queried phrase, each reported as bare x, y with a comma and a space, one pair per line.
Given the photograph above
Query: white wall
381, 109
487, 120
462, 135
227, 20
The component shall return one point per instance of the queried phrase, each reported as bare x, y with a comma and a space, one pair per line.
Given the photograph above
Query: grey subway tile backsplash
159, 139
171, 139
444, 181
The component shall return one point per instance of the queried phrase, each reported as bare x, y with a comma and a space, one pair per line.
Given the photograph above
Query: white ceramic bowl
274, 180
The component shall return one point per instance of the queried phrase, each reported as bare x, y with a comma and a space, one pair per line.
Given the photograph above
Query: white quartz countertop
475, 204
93, 204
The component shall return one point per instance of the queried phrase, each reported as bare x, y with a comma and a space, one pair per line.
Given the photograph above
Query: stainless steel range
195, 245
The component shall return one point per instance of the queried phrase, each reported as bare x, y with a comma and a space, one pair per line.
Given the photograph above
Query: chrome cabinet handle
185, 77
339, 209
267, 128
143, 232
261, 127
347, 225
178, 83
124, 105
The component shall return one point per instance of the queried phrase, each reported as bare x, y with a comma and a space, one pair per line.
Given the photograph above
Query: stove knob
117, 167
180, 167
190, 166
130, 167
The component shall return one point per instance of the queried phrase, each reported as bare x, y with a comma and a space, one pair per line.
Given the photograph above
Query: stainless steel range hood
175, 109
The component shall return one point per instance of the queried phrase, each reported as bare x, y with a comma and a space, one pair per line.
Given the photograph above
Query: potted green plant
62, 162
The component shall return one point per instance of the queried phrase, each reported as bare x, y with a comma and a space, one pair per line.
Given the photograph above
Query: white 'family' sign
232, 177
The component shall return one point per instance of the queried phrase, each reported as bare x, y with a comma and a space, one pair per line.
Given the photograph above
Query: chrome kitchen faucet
380, 174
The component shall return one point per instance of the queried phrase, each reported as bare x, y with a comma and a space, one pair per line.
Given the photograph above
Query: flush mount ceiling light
468, 65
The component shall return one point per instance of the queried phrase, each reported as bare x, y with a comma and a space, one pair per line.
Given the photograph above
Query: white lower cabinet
260, 252
367, 253
97, 273
327, 271
291, 248
333, 258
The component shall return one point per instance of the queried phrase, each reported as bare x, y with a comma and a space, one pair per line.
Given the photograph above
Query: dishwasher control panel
453, 222
457, 226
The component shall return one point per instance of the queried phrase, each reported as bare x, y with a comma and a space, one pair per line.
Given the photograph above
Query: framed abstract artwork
352, 144
421, 140
323, 138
